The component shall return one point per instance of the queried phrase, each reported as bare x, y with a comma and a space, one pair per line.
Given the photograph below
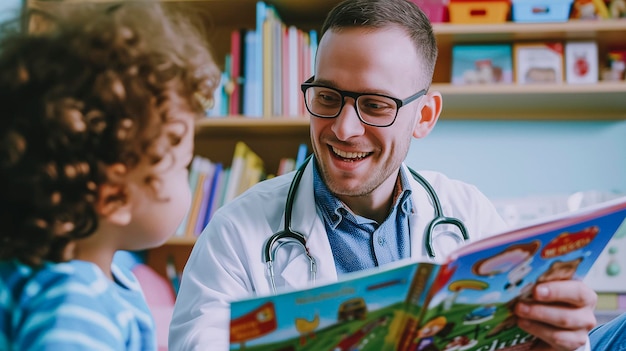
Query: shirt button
381, 241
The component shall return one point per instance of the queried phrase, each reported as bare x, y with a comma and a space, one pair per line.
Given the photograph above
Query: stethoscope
288, 236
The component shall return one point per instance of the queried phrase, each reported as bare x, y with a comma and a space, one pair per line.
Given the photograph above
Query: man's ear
428, 114
113, 202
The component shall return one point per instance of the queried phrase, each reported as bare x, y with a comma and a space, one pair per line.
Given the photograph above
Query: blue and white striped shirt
72, 306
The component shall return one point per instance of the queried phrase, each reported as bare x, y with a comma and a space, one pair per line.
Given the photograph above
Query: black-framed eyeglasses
373, 109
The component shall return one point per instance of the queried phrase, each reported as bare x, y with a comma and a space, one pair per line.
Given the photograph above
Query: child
96, 133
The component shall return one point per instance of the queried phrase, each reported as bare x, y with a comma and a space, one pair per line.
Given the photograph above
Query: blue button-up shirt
357, 242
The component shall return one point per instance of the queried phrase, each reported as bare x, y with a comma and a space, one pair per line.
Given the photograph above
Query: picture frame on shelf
482, 64
538, 63
581, 62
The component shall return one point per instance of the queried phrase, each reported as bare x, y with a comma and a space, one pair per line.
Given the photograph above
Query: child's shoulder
27, 284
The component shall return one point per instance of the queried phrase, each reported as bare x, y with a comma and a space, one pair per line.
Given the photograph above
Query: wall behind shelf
524, 158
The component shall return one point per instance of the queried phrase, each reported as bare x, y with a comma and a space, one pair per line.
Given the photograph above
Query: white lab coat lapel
306, 221
423, 213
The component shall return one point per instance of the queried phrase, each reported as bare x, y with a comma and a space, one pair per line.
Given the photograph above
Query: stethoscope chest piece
277, 241
288, 236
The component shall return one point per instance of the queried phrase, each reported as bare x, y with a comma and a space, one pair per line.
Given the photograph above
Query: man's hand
561, 313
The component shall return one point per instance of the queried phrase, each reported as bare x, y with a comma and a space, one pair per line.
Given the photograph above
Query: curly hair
94, 89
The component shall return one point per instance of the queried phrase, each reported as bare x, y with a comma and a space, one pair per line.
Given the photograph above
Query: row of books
264, 69
212, 184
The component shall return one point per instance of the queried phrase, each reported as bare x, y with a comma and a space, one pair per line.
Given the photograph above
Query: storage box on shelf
532, 11
435, 10
478, 11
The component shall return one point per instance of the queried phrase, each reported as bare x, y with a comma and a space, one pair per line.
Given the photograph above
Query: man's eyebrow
332, 84
324, 82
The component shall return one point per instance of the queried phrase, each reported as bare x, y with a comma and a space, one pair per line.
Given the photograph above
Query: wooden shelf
612, 31
181, 240
239, 125
567, 102
270, 138
601, 101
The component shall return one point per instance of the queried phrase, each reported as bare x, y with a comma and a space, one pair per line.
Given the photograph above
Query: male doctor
357, 204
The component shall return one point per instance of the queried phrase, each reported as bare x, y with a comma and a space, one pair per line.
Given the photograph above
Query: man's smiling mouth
352, 156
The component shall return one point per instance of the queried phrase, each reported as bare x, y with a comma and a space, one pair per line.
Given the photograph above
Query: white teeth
349, 155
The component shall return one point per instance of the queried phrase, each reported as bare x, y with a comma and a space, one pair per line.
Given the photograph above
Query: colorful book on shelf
251, 78
258, 92
293, 83
313, 42
220, 100
305, 61
285, 93
235, 71
253, 171
209, 168
301, 70
266, 70
277, 63
239, 179
303, 150
199, 194
215, 189
227, 86
194, 171
223, 185
464, 303
286, 165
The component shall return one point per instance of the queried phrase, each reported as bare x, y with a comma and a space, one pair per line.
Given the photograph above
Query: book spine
235, 66
258, 98
303, 149
236, 171
215, 189
415, 305
194, 171
204, 201
251, 79
293, 83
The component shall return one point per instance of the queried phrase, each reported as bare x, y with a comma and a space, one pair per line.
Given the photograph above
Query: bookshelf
566, 102
276, 137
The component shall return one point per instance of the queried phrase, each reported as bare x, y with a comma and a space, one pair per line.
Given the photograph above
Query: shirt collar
334, 210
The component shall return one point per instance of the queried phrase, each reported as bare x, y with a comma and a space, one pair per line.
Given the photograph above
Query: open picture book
465, 303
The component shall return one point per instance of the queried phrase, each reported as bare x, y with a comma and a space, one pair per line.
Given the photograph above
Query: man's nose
348, 124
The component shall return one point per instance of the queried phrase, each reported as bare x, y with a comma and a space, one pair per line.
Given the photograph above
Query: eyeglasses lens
373, 109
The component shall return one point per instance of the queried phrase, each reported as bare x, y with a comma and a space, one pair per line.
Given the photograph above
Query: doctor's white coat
227, 261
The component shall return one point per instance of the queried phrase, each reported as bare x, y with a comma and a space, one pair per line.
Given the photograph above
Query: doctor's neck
377, 203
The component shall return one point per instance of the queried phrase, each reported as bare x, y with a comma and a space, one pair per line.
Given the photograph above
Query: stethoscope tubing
289, 236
